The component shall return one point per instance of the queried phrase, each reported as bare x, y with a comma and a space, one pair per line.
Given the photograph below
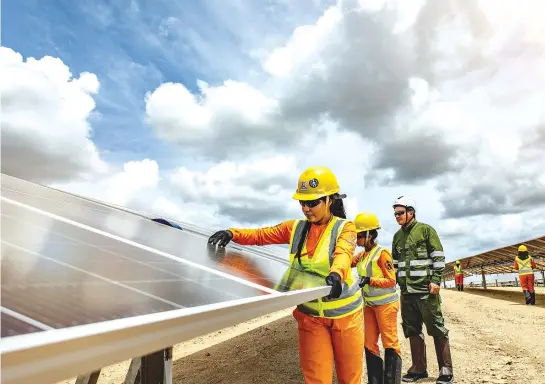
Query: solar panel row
69, 261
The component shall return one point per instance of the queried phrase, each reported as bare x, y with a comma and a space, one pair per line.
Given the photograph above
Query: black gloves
334, 280
221, 238
364, 280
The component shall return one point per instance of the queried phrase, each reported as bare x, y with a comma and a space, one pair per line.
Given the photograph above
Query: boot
528, 297
461, 287
375, 372
442, 350
533, 298
392, 367
418, 354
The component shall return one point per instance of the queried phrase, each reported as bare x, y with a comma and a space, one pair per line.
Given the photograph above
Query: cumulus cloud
257, 191
122, 188
45, 119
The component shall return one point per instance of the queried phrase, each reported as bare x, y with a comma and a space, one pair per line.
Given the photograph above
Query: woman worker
330, 329
378, 280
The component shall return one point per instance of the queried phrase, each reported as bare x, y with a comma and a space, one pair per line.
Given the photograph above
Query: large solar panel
68, 261
261, 269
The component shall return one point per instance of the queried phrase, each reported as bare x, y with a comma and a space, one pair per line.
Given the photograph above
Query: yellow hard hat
457, 261
316, 182
366, 221
523, 248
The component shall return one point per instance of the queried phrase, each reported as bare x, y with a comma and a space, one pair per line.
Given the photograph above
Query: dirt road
493, 340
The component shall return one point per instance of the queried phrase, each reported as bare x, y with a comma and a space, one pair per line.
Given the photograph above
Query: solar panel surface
59, 273
261, 269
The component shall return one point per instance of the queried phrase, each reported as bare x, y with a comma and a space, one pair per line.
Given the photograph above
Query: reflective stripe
401, 264
320, 263
395, 262
418, 273
369, 267
334, 235
439, 264
402, 273
525, 266
297, 235
353, 306
437, 253
420, 262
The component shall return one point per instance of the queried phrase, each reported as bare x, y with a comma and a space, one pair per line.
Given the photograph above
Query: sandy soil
494, 339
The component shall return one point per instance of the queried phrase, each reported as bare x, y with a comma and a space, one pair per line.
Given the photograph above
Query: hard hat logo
316, 182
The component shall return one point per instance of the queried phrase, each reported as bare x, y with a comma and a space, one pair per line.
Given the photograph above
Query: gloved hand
364, 280
221, 238
334, 280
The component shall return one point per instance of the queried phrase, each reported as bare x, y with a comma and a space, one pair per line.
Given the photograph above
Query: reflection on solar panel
76, 270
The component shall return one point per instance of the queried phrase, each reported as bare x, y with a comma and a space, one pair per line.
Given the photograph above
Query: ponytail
337, 206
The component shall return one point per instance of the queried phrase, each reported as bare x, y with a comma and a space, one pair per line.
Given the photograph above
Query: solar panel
75, 271
258, 268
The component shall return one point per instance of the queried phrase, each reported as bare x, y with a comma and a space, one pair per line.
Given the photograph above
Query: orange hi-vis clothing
381, 299
526, 273
458, 275
328, 330
281, 234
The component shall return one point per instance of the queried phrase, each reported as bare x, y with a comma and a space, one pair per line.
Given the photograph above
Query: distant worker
378, 280
525, 265
418, 253
459, 275
330, 329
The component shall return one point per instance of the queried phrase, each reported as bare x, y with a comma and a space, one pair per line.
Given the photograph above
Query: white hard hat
405, 201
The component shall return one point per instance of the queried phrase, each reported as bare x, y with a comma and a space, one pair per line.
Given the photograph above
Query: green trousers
422, 309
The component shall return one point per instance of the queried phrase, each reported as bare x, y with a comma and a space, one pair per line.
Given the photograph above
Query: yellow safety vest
351, 299
458, 270
525, 266
375, 296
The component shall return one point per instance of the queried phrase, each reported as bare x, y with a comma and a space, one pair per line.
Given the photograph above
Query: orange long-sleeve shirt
281, 234
386, 266
516, 264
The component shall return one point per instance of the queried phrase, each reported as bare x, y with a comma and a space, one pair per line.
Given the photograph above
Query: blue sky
135, 45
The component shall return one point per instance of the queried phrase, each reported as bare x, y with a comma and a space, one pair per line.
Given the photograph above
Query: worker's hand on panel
221, 238
334, 280
364, 280
434, 288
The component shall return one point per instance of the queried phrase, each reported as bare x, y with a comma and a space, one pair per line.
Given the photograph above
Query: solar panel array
70, 261
498, 261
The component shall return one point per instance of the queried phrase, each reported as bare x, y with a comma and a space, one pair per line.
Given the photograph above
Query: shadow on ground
512, 296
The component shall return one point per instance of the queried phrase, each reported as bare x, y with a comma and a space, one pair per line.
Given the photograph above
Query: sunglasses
399, 213
310, 203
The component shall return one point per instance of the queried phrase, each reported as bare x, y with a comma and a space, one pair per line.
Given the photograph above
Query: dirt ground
495, 338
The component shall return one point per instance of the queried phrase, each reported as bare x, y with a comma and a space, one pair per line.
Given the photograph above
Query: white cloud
250, 192
45, 119
120, 188
440, 100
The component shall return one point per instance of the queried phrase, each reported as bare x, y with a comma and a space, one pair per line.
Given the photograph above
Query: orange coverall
526, 281
381, 320
321, 340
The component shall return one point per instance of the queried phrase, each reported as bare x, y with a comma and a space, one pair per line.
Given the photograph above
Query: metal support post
543, 276
90, 378
516, 282
484, 278
496, 283
155, 368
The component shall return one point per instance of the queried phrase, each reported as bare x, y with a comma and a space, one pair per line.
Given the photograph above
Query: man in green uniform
419, 261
